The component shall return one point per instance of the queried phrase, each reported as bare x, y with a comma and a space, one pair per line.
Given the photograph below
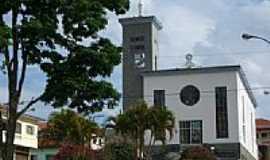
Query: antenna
140, 6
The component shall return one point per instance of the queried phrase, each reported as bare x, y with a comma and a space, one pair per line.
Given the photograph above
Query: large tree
61, 37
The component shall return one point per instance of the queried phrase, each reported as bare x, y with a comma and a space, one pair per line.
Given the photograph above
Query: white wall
247, 117
205, 109
97, 143
24, 139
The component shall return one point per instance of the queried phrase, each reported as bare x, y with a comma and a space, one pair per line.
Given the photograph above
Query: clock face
190, 95
139, 60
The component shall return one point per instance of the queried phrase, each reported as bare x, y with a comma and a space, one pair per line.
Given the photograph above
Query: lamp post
247, 36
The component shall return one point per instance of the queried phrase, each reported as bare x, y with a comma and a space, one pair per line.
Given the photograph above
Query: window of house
30, 130
190, 132
244, 111
221, 113
95, 141
49, 157
244, 119
264, 135
18, 128
137, 39
33, 157
138, 47
244, 133
252, 132
159, 98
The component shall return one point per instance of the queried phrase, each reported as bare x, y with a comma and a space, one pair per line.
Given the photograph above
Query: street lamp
247, 36
266, 92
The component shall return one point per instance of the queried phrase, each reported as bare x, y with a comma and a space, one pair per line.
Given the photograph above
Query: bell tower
140, 51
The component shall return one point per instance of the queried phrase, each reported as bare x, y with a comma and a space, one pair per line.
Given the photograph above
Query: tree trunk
14, 96
10, 149
1, 134
11, 127
141, 145
149, 149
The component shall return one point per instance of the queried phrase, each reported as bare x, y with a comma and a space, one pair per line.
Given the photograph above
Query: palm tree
141, 118
132, 124
161, 121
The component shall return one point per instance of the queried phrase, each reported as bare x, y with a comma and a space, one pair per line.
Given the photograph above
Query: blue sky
211, 29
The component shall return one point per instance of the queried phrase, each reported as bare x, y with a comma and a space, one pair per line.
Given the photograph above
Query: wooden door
21, 157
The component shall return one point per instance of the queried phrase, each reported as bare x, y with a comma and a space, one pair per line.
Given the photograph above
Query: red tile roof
262, 124
43, 140
42, 125
47, 143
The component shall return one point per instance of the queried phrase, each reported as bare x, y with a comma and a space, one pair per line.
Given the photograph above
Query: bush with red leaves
197, 153
75, 152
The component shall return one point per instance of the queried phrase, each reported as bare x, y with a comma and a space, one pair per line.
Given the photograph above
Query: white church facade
213, 106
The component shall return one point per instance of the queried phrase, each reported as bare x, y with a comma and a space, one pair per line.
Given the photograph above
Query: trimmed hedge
198, 153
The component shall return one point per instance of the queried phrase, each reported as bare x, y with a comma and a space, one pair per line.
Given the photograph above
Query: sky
211, 31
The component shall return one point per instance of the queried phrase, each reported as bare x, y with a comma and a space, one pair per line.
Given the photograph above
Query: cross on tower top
189, 63
140, 6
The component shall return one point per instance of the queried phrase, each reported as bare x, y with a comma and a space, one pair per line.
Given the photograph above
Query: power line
217, 54
205, 92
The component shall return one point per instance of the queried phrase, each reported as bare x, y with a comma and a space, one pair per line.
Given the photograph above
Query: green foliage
133, 122
56, 35
5, 40
68, 126
5, 36
119, 151
140, 118
76, 152
161, 121
74, 79
62, 38
197, 153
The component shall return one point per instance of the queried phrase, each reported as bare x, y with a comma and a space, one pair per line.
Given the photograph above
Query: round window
190, 95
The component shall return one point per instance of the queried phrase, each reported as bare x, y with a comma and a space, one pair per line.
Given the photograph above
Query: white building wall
246, 118
24, 139
205, 109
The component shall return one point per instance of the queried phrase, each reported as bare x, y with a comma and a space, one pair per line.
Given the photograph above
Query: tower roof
141, 20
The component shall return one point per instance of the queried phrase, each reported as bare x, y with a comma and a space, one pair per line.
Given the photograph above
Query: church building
213, 106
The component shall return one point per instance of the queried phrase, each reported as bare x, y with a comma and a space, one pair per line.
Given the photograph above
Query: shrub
197, 153
75, 152
119, 151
